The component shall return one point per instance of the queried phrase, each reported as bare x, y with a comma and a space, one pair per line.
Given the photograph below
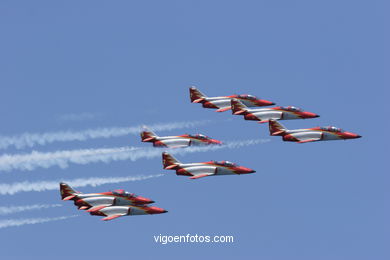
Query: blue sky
131, 62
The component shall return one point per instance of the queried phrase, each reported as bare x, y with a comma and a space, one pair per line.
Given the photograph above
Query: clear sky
122, 63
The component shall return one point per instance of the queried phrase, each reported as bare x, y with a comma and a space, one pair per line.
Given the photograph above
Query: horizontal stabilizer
200, 176
198, 100
277, 132
148, 139
223, 109
96, 208
239, 112
171, 167
112, 217
69, 197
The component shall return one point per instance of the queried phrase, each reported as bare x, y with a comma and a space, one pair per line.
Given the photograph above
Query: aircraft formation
117, 203
243, 105
111, 204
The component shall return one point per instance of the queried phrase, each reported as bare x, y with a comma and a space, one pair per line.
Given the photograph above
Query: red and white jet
222, 103
263, 115
203, 169
91, 201
111, 204
119, 211
176, 141
311, 134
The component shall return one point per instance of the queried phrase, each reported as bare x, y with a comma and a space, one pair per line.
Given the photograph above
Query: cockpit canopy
123, 193
249, 97
332, 129
291, 108
199, 136
225, 163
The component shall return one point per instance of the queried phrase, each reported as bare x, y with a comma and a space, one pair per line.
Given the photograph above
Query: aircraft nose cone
143, 200
310, 115
155, 210
349, 135
216, 141
265, 103
244, 170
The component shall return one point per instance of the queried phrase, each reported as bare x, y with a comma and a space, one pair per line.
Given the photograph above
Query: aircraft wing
110, 217
177, 146
98, 207
201, 170
223, 109
306, 140
201, 175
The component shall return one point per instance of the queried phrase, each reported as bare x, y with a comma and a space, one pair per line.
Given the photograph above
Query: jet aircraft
112, 204
119, 211
176, 141
263, 115
92, 201
222, 103
310, 134
203, 169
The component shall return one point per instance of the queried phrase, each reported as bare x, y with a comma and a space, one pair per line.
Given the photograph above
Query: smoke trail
31, 139
16, 209
29, 221
62, 159
25, 186
35, 159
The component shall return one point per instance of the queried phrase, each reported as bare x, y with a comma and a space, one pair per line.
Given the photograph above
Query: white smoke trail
62, 159
25, 186
30, 161
16, 209
32, 139
29, 221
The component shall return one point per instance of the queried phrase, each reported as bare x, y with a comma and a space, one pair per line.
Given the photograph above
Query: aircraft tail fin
196, 96
67, 193
147, 135
238, 108
169, 162
276, 128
